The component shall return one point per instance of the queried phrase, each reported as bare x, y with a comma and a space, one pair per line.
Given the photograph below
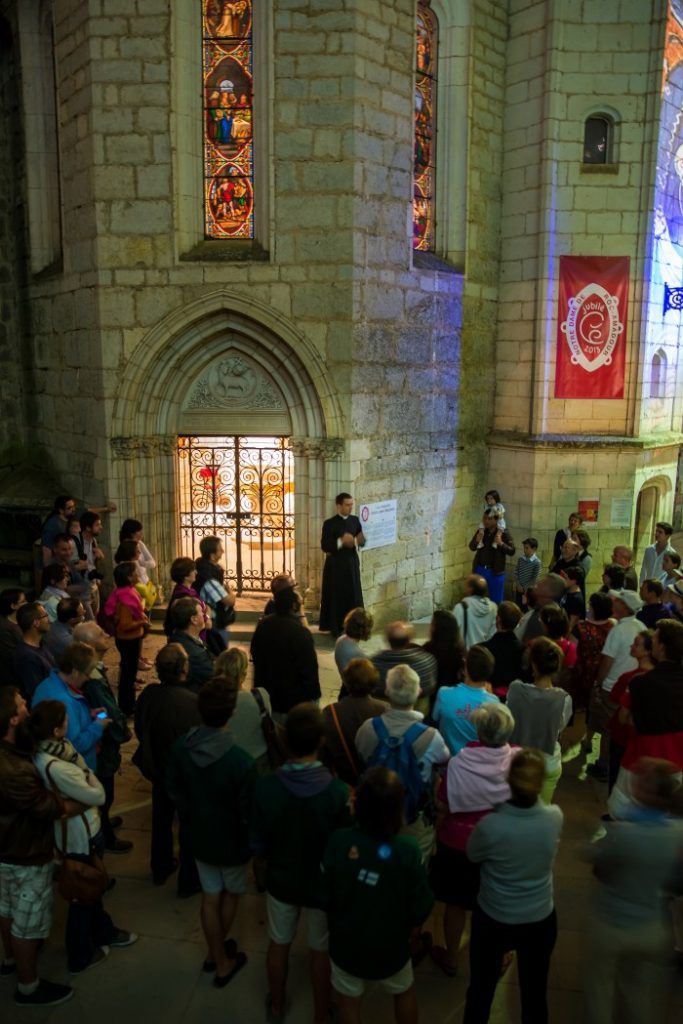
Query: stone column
146, 476
161, 452
310, 509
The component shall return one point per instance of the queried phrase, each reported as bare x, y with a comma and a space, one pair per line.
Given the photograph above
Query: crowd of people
432, 777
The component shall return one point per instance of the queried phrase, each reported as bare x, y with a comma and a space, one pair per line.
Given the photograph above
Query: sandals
439, 955
230, 947
240, 961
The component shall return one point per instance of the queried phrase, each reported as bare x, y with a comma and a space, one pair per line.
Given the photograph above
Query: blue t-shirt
451, 713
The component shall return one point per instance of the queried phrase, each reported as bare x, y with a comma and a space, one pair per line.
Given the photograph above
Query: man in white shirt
651, 568
615, 659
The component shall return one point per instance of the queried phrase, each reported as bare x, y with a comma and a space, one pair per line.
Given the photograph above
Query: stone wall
413, 363
12, 250
553, 204
340, 271
566, 61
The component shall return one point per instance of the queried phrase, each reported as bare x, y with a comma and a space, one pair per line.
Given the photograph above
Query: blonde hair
232, 664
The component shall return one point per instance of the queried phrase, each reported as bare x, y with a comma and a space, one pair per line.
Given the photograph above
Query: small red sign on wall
591, 327
588, 509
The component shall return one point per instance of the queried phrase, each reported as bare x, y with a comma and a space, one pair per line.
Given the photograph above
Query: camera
95, 575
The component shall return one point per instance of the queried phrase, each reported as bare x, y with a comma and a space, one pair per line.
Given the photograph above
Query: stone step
244, 615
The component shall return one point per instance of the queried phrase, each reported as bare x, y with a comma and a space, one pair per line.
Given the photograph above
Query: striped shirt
213, 593
527, 570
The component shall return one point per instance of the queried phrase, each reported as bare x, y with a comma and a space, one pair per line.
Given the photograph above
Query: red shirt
622, 732
569, 650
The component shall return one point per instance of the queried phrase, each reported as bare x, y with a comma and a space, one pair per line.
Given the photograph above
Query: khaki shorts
214, 878
425, 834
283, 921
26, 898
349, 985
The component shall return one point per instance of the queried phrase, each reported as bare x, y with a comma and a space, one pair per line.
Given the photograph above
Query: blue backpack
396, 753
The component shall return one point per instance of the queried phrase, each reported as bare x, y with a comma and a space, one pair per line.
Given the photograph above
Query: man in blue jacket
65, 683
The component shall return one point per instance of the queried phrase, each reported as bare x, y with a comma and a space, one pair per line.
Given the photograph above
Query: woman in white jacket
90, 931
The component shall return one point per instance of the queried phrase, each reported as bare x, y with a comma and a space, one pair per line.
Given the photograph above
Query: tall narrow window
596, 141
658, 374
424, 162
228, 118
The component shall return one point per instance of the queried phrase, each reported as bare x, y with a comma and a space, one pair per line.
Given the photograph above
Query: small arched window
658, 374
597, 140
424, 153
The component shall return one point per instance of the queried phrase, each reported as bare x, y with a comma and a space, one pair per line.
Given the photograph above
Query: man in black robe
341, 591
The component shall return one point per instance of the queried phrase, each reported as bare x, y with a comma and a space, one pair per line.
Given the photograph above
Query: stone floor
160, 978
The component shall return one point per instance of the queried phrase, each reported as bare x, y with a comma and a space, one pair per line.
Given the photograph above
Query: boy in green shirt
296, 810
376, 891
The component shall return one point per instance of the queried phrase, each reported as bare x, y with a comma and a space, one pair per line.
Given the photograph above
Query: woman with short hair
358, 625
542, 710
474, 783
183, 574
515, 848
343, 719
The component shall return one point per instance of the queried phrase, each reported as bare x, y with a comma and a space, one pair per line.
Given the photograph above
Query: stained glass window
228, 116
425, 128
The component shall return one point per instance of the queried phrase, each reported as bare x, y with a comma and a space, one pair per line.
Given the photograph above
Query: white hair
402, 685
494, 724
88, 632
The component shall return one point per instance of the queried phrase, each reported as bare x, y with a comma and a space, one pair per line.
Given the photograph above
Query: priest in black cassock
341, 537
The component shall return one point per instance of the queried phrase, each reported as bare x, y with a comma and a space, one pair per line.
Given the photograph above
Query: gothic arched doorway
213, 371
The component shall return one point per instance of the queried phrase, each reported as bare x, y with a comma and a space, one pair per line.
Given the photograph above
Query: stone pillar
145, 470
311, 454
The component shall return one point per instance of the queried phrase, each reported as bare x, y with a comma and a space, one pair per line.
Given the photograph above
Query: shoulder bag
79, 882
271, 734
355, 770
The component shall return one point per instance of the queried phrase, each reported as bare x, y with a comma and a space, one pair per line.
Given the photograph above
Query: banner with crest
591, 327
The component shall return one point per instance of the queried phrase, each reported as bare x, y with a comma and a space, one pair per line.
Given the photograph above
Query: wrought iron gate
240, 489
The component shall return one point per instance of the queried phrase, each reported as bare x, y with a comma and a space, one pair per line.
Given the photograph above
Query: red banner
591, 327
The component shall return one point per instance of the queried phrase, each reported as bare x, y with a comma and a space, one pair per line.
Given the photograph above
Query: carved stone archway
184, 378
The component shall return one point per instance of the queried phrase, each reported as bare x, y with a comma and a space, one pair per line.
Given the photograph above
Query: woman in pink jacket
475, 783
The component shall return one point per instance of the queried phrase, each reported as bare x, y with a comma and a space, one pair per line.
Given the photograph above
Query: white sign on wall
621, 511
378, 521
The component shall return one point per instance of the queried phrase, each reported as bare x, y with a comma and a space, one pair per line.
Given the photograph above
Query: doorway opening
240, 489
647, 514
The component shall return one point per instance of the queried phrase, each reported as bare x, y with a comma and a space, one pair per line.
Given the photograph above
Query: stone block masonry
415, 365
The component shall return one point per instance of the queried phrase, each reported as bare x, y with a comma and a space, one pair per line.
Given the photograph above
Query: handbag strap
349, 757
62, 852
64, 814
260, 701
